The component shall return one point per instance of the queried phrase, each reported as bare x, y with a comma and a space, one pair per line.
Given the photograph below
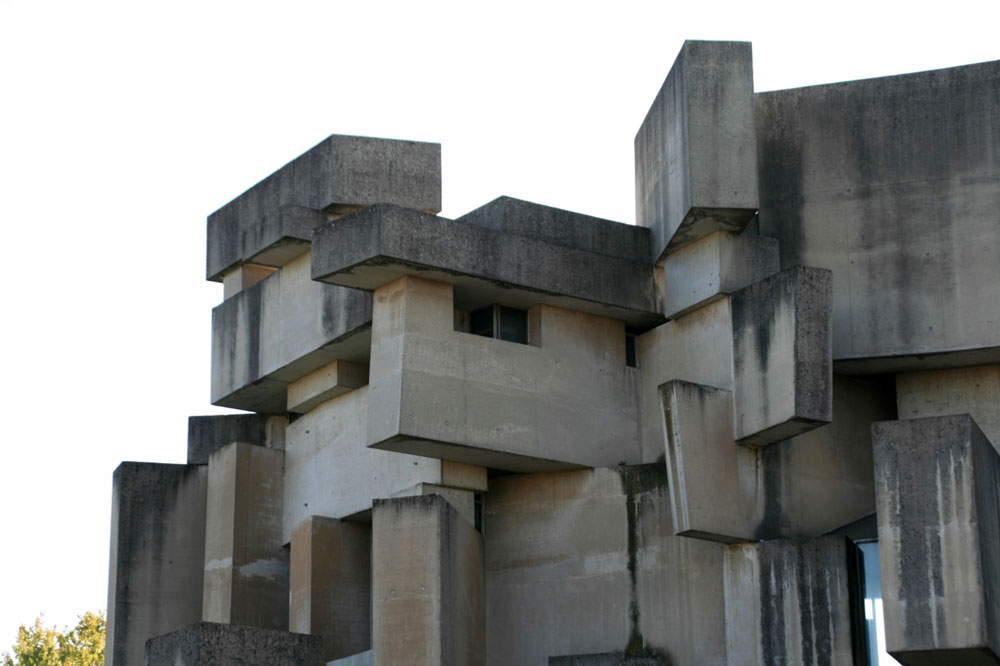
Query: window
501, 322
630, 349
874, 622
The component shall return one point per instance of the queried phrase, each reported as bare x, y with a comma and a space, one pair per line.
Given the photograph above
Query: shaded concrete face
973, 391
939, 540
207, 434
157, 555
325, 383
891, 184
427, 597
212, 644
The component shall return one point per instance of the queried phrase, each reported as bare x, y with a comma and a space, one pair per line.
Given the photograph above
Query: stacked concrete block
325, 383
215, 644
208, 434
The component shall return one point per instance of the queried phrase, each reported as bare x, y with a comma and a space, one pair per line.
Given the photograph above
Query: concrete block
376, 246
711, 267
280, 330
463, 501
327, 382
360, 659
782, 371
212, 644
331, 584
157, 555
246, 567
243, 277
794, 602
207, 434
696, 151
608, 659
892, 184
937, 482
459, 475
972, 391
428, 596
272, 220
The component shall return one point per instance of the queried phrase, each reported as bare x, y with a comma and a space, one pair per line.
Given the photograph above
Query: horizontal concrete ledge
215, 644
373, 247
940, 360
607, 659
469, 455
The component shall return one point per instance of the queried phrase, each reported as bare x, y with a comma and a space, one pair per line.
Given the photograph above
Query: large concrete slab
972, 391
273, 221
696, 151
157, 555
938, 497
213, 644
892, 183
207, 434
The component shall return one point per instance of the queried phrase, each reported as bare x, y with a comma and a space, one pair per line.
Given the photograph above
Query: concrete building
760, 427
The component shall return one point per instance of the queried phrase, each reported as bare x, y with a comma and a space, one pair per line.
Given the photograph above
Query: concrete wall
212, 644
207, 434
973, 391
157, 555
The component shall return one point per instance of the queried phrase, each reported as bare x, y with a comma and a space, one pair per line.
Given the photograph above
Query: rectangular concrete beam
207, 434
938, 498
324, 383
157, 555
213, 644
696, 152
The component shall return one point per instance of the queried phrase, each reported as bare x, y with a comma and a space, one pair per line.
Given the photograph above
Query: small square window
501, 322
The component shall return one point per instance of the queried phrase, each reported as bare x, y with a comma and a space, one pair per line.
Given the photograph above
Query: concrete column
428, 581
157, 555
331, 584
211, 644
246, 568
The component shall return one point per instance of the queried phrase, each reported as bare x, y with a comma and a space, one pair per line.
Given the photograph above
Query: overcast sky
123, 125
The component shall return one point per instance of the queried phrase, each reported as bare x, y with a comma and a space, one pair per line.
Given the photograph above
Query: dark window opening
478, 512
630, 349
501, 322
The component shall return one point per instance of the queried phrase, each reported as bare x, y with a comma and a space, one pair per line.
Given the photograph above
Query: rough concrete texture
696, 151
280, 330
327, 382
245, 276
782, 373
972, 391
212, 644
607, 659
584, 563
938, 498
794, 602
518, 265
340, 174
331, 584
427, 585
892, 184
438, 392
207, 434
463, 501
157, 555
246, 568
718, 264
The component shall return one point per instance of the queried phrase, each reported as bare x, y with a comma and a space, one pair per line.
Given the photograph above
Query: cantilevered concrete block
427, 567
272, 222
212, 644
696, 152
719, 264
246, 568
782, 369
207, 434
327, 382
157, 555
794, 602
245, 276
331, 584
938, 497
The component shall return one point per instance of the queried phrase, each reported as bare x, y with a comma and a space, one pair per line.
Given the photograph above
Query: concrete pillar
246, 568
207, 434
157, 555
331, 584
211, 644
973, 391
428, 582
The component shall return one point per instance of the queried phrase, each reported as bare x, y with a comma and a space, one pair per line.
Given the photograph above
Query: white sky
124, 124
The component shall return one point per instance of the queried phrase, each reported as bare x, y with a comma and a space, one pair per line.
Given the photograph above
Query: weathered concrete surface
245, 276
246, 568
427, 592
607, 659
972, 391
157, 555
331, 584
718, 264
782, 372
437, 392
794, 602
938, 498
695, 154
280, 330
519, 265
463, 501
212, 644
342, 173
327, 382
207, 434
584, 562
892, 183
361, 659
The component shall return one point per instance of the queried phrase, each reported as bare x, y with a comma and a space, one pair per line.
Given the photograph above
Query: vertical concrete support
428, 602
157, 555
246, 568
793, 602
782, 357
211, 644
973, 391
696, 152
331, 584
938, 496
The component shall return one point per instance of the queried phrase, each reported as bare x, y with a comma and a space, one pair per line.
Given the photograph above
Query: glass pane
481, 321
874, 622
513, 325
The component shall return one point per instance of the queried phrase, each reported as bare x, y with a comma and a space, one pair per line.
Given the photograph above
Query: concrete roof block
696, 151
340, 174
214, 644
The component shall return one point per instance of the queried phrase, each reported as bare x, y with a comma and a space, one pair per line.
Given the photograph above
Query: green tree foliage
39, 645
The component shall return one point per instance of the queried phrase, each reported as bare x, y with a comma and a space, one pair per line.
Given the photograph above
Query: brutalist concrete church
760, 427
